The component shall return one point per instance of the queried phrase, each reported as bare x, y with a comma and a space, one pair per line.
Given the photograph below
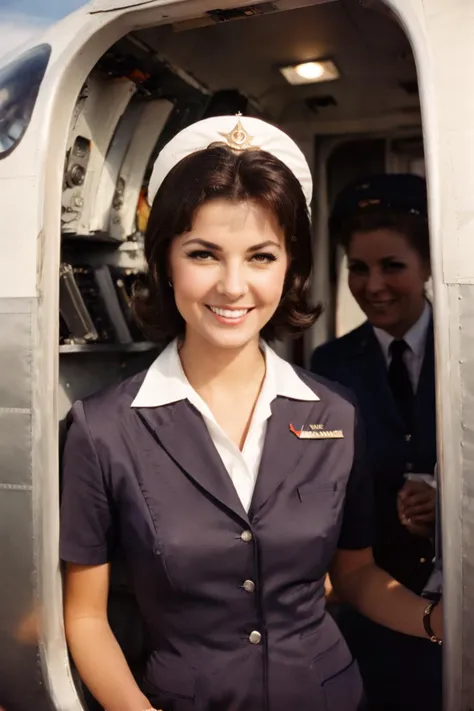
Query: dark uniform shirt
393, 449
232, 602
401, 673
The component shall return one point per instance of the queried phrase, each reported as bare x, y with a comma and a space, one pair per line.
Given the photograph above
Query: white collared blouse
166, 382
415, 339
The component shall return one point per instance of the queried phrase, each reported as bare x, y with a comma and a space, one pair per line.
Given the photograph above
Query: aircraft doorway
151, 83
364, 119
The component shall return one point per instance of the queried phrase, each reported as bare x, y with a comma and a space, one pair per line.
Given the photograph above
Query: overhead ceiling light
310, 72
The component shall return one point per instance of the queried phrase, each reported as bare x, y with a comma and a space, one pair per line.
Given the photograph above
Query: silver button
249, 586
255, 637
246, 536
408, 438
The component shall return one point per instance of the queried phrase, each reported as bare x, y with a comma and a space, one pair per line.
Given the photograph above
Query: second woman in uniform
388, 363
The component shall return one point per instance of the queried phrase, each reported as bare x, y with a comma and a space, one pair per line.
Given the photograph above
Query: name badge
317, 432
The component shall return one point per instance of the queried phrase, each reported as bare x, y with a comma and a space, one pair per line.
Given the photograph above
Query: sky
21, 19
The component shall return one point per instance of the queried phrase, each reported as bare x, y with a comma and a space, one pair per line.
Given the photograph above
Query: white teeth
229, 313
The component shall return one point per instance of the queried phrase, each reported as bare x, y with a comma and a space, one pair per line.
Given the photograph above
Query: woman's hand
331, 597
416, 506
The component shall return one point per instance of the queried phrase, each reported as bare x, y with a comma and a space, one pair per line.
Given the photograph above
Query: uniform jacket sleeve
323, 361
358, 525
358, 528
87, 534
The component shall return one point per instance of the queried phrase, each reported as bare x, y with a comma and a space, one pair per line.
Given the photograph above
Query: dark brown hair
219, 172
411, 225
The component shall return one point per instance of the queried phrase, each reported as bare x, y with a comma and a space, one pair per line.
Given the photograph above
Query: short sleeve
358, 525
87, 527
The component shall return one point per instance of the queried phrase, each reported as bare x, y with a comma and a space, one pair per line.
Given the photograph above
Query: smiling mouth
379, 304
229, 313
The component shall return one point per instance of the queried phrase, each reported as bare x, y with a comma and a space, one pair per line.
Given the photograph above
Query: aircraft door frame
425, 22
444, 52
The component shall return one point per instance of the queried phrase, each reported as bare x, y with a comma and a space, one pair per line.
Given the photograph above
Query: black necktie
399, 380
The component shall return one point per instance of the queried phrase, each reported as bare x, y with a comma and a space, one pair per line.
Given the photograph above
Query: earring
170, 283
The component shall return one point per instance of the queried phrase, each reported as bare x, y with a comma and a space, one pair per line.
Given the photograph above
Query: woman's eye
357, 268
201, 255
394, 266
264, 257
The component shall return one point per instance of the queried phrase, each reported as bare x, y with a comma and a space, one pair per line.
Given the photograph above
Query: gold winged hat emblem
238, 139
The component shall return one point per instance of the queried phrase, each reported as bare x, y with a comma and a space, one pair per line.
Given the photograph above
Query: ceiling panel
370, 50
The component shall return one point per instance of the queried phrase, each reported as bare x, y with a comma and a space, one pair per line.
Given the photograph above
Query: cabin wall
17, 555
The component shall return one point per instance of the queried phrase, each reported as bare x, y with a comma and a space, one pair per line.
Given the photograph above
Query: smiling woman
388, 270
230, 481
249, 200
227, 279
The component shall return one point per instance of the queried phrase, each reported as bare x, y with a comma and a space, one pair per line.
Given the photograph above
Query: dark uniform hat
399, 192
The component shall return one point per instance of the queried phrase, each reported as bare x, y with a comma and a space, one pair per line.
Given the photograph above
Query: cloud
16, 29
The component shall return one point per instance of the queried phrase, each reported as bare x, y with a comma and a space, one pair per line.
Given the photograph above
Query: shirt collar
287, 382
165, 381
415, 337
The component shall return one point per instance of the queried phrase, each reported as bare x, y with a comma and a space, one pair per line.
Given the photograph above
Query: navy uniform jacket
357, 362
149, 481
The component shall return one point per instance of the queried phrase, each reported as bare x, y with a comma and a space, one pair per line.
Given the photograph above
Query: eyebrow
217, 248
389, 257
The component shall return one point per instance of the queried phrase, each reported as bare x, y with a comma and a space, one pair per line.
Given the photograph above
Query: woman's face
387, 278
228, 272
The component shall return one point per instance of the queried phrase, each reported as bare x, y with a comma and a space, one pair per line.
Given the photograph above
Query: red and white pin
317, 432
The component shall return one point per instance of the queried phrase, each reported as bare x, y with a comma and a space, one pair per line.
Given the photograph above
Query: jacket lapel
425, 400
282, 449
370, 360
181, 431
